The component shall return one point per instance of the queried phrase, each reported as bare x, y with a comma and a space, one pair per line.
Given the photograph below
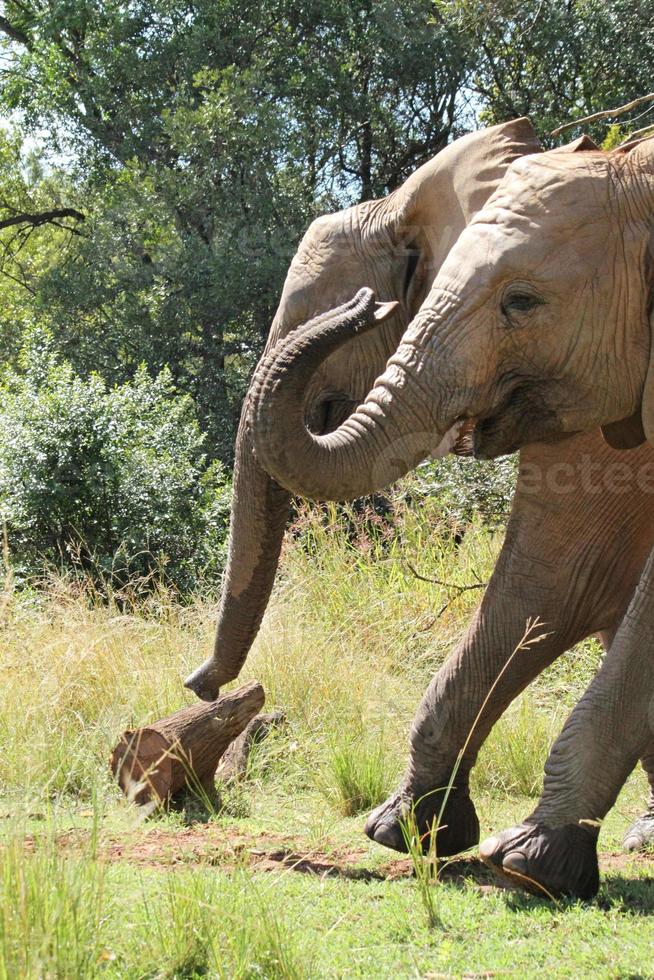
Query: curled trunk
387, 435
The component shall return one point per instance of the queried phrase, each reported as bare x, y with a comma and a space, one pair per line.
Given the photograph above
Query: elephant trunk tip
205, 682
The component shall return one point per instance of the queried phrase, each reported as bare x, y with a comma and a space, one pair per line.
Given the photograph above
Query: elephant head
396, 245
536, 326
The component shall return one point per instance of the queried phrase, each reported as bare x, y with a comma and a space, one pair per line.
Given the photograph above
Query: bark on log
154, 763
234, 763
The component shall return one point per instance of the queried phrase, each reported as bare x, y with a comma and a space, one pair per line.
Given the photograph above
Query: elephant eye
520, 301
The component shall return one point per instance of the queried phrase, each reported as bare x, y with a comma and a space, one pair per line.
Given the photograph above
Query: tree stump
181, 752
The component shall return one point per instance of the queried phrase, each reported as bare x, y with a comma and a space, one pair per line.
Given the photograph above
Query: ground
281, 882
286, 893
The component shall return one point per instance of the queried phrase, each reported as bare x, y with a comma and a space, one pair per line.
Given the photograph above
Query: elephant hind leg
606, 734
640, 835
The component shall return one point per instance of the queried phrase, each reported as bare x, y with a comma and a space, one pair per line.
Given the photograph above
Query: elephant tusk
384, 310
452, 437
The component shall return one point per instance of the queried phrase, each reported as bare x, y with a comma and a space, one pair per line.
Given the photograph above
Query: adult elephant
538, 325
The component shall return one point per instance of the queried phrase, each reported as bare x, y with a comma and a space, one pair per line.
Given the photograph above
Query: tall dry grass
348, 644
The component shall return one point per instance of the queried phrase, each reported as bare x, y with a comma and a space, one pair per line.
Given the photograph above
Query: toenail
515, 861
488, 847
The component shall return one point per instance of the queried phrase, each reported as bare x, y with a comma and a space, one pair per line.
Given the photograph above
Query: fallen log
181, 752
235, 761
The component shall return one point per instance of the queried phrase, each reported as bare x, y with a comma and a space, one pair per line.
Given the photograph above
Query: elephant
396, 243
537, 327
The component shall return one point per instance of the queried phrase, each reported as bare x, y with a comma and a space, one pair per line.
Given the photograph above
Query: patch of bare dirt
620, 862
229, 848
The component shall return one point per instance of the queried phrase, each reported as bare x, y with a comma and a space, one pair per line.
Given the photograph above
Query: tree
556, 61
37, 225
203, 137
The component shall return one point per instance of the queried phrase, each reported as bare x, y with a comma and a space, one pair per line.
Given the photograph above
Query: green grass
358, 773
66, 916
90, 889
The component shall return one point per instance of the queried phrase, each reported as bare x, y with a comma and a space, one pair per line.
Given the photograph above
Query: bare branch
447, 585
20, 282
41, 218
604, 114
638, 133
15, 33
459, 590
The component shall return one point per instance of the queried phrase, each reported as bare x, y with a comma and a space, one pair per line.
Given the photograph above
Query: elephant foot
205, 681
640, 836
458, 830
554, 862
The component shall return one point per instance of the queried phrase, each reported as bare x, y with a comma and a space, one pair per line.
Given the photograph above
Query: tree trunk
154, 763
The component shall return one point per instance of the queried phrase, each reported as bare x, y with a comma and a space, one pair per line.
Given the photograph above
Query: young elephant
538, 325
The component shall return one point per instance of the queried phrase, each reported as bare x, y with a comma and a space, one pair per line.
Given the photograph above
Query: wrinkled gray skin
538, 325
396, 244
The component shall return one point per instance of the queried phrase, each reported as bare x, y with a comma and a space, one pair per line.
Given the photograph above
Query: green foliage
466, 488
359, 772
557, 62
110, 481
614, 136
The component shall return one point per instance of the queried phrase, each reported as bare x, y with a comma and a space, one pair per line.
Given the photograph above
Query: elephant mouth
454, 438
464, 445
521, 418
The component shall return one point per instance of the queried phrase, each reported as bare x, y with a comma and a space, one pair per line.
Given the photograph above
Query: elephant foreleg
572, 557
554, 850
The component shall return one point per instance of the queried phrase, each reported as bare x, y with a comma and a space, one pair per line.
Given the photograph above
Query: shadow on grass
633, 896
459, 872
323, 868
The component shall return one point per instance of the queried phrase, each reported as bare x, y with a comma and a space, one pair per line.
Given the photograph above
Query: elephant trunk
387, 435
260, 512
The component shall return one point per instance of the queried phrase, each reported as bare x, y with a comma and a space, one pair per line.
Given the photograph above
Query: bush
469, 487
110, 482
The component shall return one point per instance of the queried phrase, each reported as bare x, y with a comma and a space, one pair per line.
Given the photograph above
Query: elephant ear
626, 433
631, 432
577, 146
